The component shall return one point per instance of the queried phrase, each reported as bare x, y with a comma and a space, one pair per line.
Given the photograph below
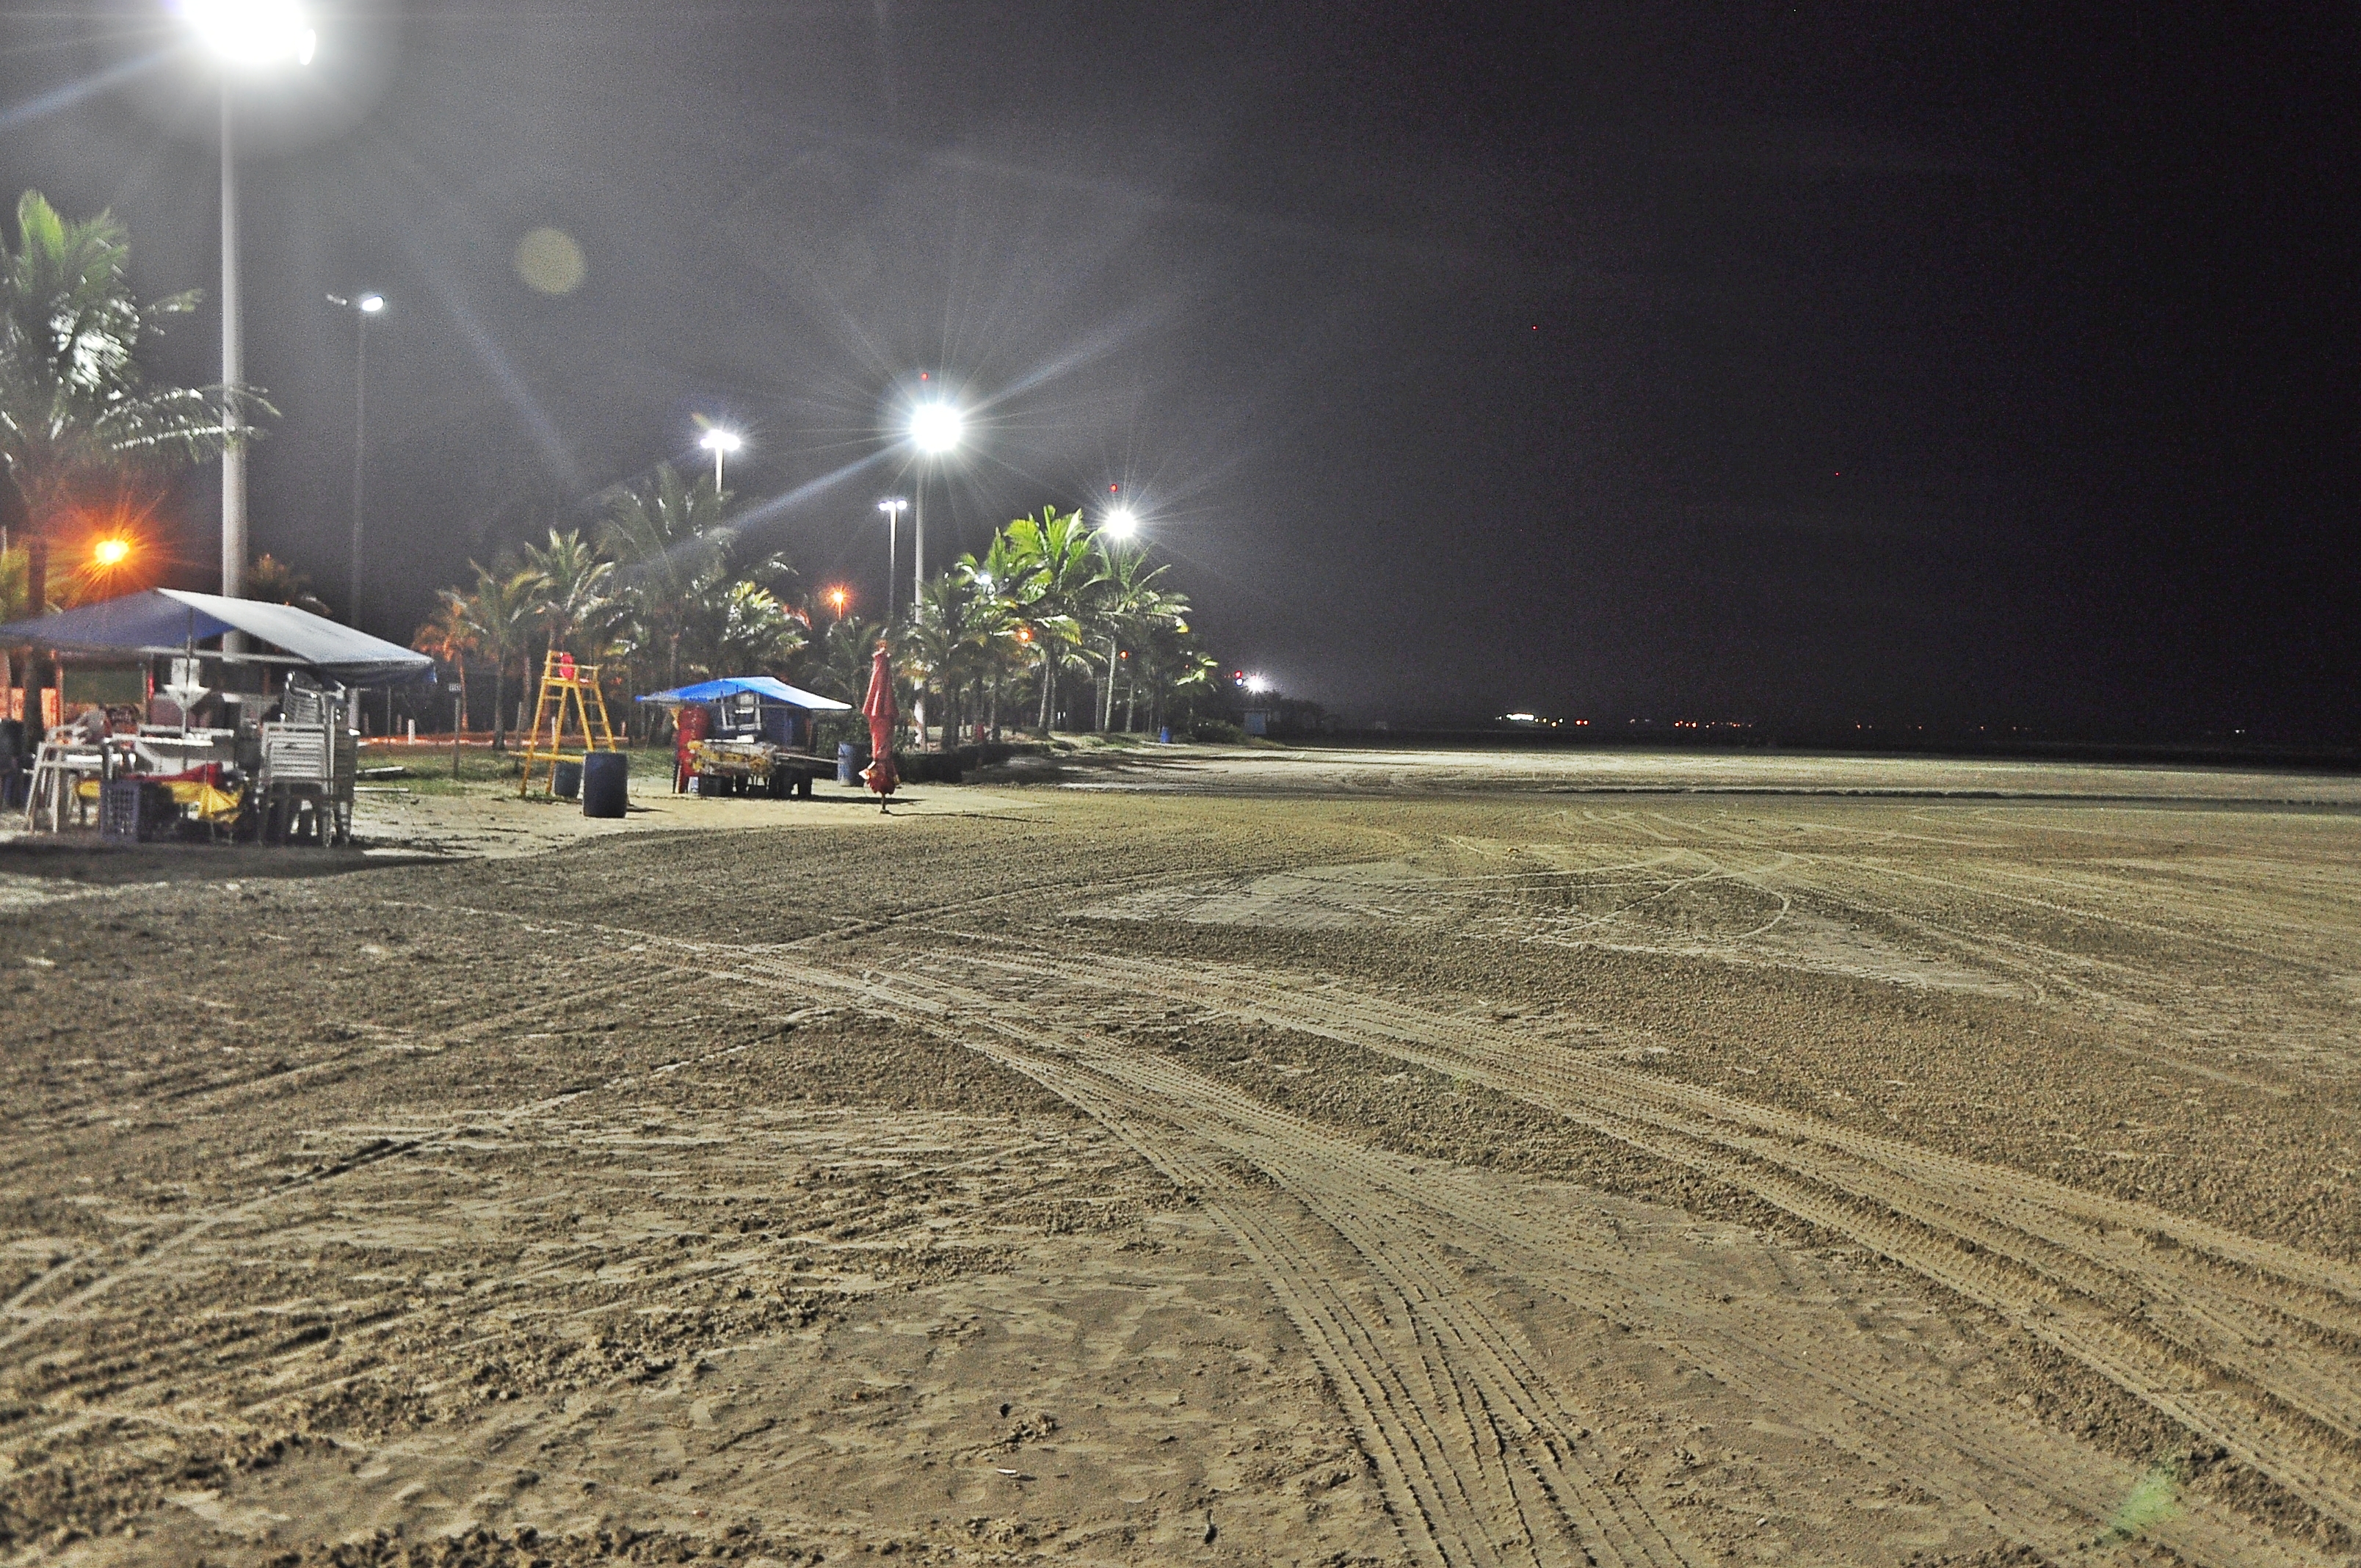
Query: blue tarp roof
165, 621
761, 685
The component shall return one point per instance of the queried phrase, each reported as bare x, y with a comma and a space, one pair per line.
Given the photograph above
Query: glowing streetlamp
246, 36
934, 429
363, 306
1120, 525
836, 597
110, 552
720, 443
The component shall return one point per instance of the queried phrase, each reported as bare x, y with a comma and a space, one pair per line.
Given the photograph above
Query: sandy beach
1196, 1156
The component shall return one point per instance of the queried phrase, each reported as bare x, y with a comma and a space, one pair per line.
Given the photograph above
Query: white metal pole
360, 456
233, 573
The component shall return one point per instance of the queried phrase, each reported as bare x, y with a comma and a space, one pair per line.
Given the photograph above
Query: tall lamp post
720, 443
1121, 524
363, 306
245, 35
893, 507
934, 429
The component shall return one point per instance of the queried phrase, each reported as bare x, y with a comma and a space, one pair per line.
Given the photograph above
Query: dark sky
1965, 364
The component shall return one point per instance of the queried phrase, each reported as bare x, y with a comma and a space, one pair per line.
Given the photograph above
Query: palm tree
1124, 603
499, 616
574, 598
846, 649
670, 550
1171, 666
758, 634
273, 581
1056, 569
947, 635
74, 408
450, 635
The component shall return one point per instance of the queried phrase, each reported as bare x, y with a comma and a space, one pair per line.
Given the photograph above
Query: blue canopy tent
755, 707
756, 685
163, 622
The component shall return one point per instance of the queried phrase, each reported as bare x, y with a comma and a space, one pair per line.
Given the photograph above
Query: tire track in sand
2204, 1337
2028, 1483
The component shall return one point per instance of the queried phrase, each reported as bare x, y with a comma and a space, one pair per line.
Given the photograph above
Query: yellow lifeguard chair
568, 691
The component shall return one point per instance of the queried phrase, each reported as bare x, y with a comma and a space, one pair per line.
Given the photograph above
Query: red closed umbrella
881, 713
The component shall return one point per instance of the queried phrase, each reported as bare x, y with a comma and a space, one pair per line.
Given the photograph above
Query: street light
836, 597
363, 306
720, 443
253, 32
934, 429
893, 507
1121, 524
110, 553
250, 35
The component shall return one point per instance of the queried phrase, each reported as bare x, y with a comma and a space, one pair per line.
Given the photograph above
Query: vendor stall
747, 735
252, 735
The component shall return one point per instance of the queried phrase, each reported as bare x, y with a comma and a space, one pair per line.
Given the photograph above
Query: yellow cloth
212, 803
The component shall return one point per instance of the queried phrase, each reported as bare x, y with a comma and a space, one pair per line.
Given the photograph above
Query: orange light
1025, 634
111, 552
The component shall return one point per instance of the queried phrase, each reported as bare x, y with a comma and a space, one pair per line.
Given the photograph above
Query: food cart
747, 735
249, 733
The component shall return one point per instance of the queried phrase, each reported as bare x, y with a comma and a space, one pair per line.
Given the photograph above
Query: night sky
1796, 364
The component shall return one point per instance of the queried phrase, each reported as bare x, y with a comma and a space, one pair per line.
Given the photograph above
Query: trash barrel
567, 783
844, 773
606, 783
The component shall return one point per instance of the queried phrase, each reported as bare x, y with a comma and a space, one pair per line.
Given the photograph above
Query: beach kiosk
747, 735
231, 712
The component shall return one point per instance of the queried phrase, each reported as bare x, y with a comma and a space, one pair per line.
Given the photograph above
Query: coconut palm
1173, 667
1124, 603
670, 551
76, 413
574, 598
758, 634
1056, 570
273, 581
450, 635
950, 635
846, 649
500, 616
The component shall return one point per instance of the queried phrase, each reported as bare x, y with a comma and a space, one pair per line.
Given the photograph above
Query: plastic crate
131, 811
